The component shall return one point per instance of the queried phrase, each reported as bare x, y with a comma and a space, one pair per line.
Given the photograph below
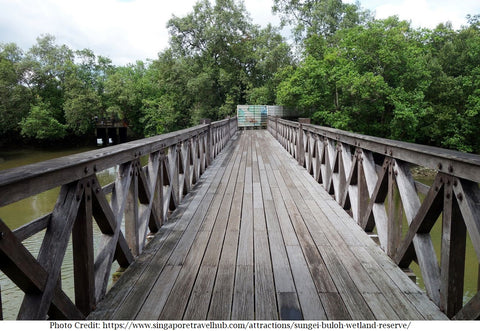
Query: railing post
208, 152
276, 127
300, 147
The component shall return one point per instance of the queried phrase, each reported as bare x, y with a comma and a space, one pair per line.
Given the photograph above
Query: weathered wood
243, 300
202, 291
454, 237
471, 311
52, 251
34, 227
83, 259
360, 184
468, 197
18, 264
425, 252
377, 186
461, 164
221, 302
142, 196
270, 243
160, 250
423, 222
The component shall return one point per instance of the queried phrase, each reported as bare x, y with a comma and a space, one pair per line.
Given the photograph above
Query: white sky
130, 30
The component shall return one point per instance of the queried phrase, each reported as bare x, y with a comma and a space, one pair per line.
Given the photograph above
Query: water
24, 211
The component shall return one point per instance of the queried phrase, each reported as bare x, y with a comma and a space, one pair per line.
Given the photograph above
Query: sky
131, 30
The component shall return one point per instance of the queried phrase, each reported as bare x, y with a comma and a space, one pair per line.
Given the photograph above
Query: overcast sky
130, 30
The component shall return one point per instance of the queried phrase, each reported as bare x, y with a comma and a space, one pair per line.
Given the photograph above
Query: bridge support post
208, 152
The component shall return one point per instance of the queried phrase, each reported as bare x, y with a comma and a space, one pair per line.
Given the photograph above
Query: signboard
252, 116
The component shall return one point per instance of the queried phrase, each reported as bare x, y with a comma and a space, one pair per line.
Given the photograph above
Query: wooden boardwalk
258, 238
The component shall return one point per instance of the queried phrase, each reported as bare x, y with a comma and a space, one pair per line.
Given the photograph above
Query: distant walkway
258, 238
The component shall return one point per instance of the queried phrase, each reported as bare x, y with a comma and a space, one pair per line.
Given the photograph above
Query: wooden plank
243, 297
265, 300
353, 299
361, 278
132, 221
221, 302
334, 306
19, 264
300, 215
287, 300
289, 307
378, 189
312, 308
393, 293
177, 301
380, 306
152, 307
198, 303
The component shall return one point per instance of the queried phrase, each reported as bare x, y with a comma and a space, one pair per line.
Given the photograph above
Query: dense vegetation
345, 69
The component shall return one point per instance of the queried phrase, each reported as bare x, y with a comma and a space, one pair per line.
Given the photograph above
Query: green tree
46, 65
15, 98
41, 125
124, 91
453, 119
83, 87
318, 17
371, 80
232, 61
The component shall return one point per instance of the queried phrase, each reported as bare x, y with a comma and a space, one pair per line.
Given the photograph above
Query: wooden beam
82, 245
468, 197
454, 236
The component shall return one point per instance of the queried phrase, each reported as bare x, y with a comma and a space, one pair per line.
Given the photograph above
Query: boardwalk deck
258, 238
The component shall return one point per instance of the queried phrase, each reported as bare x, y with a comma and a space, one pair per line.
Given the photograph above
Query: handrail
140, 199
365, 173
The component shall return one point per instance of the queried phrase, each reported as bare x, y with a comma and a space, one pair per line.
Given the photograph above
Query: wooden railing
365, 174
138, 201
